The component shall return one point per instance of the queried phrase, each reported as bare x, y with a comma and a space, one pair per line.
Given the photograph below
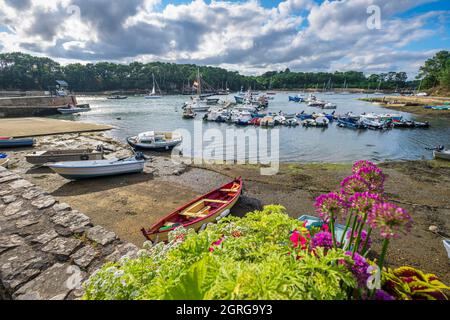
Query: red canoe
198, 212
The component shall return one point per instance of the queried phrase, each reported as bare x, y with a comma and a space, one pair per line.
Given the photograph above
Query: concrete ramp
32, 127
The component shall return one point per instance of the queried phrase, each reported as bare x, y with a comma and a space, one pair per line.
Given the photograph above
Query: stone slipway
47, 249
31, 127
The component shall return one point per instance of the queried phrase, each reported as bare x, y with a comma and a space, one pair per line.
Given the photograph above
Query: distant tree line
436, 72
19, 71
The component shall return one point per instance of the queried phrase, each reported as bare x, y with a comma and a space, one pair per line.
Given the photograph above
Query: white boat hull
73, 110
153, 97
78, 170
444, 155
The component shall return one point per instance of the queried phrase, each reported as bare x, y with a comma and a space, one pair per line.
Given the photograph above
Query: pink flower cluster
390, 219
330, 206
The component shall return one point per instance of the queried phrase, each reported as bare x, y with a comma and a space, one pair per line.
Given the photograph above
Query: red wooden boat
198, 212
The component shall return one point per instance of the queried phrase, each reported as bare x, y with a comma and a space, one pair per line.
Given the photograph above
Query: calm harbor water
299, 144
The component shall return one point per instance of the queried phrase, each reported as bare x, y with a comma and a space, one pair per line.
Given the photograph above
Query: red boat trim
151, 231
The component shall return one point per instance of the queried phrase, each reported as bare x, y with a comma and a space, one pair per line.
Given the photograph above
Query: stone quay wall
47, 250
33, 106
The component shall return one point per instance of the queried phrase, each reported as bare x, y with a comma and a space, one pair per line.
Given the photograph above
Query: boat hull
73, 110
442, 155
156, 234
16, 143
42, 157
73, 172
154, 146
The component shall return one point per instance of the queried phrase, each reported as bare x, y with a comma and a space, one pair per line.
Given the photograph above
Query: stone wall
34, 106
47, 249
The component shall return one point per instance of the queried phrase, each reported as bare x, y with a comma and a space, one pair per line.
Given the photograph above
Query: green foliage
407, 283
436, 71
25, 72
238, 258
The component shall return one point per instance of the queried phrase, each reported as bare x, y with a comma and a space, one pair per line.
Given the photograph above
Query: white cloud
243, 36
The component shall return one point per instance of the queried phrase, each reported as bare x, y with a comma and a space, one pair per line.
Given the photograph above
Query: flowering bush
267, 255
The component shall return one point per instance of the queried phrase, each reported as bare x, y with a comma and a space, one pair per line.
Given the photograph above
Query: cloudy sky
249, 36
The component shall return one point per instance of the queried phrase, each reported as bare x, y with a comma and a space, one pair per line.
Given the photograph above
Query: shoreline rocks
47, 250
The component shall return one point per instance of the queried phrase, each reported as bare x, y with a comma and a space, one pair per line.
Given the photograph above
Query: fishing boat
244, 118
303, 116
442, 154
153, 140
239, 99
296, 99
318, 122
196, 105
198, 213
349, 122
374, 124
153, 94
217, 115
71, 109
78, 170
7, 142
117, 98
317, 103
51, 156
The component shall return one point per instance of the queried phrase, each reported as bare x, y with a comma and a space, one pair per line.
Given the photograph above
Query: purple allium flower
362, 242
390, 219
354, 184
374, 176
322, 239
359, 269
362, 164
362, 203
382, 295
330, 206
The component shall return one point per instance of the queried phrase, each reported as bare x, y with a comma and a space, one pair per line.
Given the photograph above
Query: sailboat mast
199, 90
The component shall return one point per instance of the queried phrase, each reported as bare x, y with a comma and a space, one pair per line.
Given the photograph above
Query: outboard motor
141, 156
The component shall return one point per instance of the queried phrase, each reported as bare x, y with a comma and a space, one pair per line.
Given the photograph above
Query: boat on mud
51, 156
206, 209
442, 154
8, 142
79, 170
153, 140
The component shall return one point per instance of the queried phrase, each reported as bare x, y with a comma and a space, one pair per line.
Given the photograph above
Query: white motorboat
71, 109
243, 118
443, 154
153, 140
329, 105
77, 170
216, 114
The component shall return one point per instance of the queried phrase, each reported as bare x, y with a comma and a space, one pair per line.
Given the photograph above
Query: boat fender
203, 227
223, 215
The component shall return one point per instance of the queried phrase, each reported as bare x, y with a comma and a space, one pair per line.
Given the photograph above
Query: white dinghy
78, 170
